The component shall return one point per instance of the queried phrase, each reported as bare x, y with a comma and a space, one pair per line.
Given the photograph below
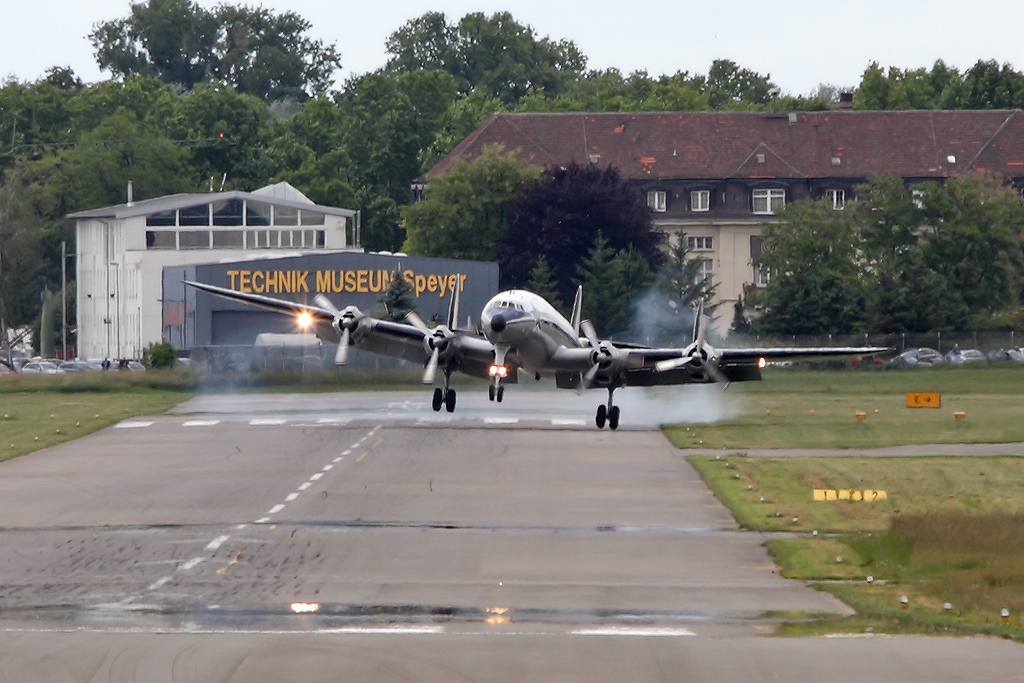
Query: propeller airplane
520, 331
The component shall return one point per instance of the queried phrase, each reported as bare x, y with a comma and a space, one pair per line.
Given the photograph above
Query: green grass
951, 530
797, 408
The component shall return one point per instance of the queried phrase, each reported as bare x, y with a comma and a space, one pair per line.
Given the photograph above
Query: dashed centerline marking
501, 420
216, 543
641, 632
133, 425
267, 422
200, 423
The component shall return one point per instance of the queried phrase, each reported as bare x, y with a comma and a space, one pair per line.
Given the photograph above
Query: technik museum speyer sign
194, 318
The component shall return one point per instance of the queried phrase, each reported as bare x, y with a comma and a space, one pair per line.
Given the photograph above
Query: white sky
800, 44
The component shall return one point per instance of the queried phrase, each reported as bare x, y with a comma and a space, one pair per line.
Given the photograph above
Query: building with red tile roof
718, 177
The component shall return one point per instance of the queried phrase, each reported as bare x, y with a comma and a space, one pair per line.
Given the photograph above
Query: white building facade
121, 252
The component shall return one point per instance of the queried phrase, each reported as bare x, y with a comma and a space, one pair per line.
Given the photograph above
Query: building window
194, 239
194, 215
705, 272
768, 201
657, 200
700, 243
761, 276
227, 212
311, 218
161, 239
836, 199
700, 200
228, 239
257, 213
164, 218
284, 215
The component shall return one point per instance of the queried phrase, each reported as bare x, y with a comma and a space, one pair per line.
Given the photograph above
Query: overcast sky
800, 44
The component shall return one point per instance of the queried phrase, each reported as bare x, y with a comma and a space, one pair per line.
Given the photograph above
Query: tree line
244, 95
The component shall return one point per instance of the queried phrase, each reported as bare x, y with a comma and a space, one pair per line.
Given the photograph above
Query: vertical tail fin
577, 311
453, 306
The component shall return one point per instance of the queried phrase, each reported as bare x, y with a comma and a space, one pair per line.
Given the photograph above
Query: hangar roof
280, 194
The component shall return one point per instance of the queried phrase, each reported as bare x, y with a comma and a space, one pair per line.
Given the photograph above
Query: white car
41, 367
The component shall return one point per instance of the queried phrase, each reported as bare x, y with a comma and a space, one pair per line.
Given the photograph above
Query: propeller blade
341, 355
325, 303
417, 322
428, 374
671, 364
588, 379
588, 329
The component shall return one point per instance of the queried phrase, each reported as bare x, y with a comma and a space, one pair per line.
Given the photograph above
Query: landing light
498, 371
305, 607
761, 362
305, 319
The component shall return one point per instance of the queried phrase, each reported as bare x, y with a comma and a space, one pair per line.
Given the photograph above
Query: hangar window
228, 239
284, 215
162, 218
194, 215
160, 239
194, 239
257, 213
227, 212
312, 218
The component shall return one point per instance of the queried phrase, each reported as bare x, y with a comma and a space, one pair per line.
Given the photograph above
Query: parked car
957, 357
41, 367
923, 357
78, 366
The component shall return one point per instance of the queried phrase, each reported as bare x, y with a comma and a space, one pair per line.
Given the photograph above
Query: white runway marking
641, 632
567, 422
190, 565
268, 422
200, 423
332, 421
216, 543
133, 425
274, 510
290, 497
501, 420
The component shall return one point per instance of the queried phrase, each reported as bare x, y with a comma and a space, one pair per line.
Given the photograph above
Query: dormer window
836, 199
768, 201
657, 200
700, 200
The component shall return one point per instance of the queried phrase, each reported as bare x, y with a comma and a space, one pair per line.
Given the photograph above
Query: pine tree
398, 298
542, 283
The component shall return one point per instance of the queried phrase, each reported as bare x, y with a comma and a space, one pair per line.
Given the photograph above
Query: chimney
131, 194
846, 100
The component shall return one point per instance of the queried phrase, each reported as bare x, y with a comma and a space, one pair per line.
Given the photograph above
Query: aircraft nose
498, 322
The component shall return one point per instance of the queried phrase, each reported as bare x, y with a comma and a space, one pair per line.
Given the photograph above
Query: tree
399, 298
492, 55
560, 216
816, 286
464, 212
542, 284
665, 313
729, 84
987, 85
255, 51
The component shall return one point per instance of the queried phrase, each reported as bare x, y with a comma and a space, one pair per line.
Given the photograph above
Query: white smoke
687, 404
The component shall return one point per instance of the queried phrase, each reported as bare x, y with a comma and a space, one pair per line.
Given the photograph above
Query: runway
359, 537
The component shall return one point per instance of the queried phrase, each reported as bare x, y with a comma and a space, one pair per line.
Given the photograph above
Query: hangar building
122, 250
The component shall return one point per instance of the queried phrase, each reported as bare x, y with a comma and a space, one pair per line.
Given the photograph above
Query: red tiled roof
718, 145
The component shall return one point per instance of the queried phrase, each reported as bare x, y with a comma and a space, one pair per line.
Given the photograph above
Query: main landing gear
445, 397
609, 413
496, 393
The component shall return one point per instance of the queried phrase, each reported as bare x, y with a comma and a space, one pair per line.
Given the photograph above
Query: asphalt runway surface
364, 537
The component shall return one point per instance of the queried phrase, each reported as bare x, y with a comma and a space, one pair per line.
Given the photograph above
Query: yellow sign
924, 399
337, 281
868, 495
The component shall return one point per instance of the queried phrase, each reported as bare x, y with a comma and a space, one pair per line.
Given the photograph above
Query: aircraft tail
453, 306
577, 310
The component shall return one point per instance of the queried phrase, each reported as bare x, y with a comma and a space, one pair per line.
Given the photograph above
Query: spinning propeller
344, 323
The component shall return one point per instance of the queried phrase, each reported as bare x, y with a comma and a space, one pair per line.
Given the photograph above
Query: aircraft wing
414, 343
693, 364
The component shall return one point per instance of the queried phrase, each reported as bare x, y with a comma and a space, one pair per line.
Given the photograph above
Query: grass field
818, 409
948, 534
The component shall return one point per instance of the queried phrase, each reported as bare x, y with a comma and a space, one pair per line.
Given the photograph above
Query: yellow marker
365, 453
924, 399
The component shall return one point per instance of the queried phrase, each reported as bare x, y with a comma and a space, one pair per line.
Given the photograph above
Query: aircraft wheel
613, 418
438, 399
490, 392
500, 394
449, 401
601, 415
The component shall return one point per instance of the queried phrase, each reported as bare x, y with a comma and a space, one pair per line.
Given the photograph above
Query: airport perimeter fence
943, 342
